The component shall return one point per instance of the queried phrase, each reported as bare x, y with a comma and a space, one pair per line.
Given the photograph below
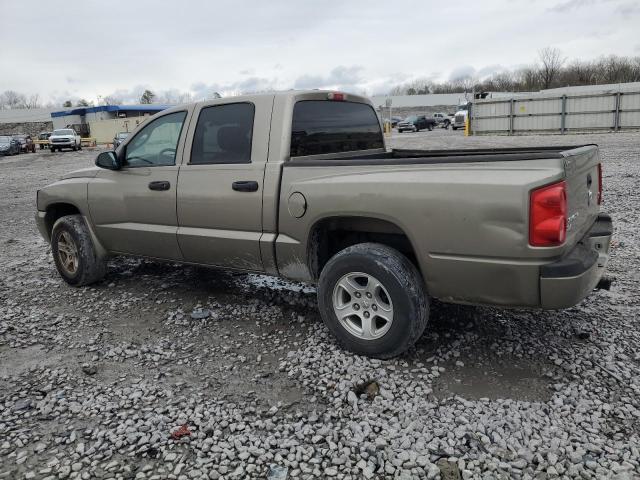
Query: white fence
606, 111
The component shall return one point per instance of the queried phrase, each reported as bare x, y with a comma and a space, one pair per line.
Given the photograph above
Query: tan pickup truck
300, 185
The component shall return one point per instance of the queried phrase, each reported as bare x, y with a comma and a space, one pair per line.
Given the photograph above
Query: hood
88, 172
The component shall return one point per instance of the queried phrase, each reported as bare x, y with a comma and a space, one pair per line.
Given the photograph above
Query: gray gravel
163, 371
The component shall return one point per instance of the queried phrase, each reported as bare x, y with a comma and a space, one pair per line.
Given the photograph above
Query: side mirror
108, 160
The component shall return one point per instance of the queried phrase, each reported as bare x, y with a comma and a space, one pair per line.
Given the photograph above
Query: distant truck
299, 184
442, 119
460, 117
65, 138
415, 123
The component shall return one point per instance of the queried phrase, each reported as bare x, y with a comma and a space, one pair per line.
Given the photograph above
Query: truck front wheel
73, 252
373, 300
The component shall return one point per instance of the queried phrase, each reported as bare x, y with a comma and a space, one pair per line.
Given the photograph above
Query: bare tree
33, 101
111, 100
551, 60
12, 99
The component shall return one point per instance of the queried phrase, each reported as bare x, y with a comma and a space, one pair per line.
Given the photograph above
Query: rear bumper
567, 281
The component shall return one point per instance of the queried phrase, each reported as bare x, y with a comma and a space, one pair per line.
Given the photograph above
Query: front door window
156, 144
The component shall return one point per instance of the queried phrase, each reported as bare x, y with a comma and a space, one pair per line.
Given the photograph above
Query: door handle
245, 186
159, 185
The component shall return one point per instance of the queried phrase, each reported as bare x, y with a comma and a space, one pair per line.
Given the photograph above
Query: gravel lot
163, 371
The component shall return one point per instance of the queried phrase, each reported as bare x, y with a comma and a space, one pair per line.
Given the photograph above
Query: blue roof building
85, 115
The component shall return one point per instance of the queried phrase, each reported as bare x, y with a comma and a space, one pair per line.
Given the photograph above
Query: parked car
9, 145
415, 123
119, 138
65, 138
43, 140
300, 185
26, 143
442, 119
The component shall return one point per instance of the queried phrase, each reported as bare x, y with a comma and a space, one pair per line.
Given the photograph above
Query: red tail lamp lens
548, 215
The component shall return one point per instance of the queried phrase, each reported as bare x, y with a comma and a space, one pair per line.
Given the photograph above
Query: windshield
5, 139
412, 118
464, 107
65, 131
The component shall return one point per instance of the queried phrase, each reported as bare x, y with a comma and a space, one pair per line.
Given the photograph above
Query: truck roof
287, 94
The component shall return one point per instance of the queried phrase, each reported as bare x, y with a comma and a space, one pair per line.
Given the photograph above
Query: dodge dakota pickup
299, 184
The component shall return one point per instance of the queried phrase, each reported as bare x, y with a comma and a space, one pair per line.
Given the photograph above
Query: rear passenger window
321, 127
223, 134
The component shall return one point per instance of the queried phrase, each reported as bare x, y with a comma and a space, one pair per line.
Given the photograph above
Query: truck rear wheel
73, 252
373, 300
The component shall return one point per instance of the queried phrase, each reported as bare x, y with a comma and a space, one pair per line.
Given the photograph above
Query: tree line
551, 70
10, 99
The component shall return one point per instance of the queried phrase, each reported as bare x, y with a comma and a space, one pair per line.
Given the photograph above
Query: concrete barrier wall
606, 111
29, 128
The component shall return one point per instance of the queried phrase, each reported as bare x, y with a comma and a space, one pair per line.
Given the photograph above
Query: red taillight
336, 96
599, 183
548, 215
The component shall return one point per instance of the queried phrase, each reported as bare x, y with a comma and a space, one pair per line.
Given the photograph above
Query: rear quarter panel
467, 223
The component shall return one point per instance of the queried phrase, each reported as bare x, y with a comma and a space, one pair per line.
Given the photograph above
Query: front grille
61, 140
460, 118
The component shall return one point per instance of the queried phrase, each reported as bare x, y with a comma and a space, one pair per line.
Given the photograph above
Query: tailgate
582, 179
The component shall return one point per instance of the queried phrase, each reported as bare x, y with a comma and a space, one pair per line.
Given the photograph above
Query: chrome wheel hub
67, 253
363, 306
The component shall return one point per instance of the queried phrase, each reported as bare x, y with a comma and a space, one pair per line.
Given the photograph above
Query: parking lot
168, 371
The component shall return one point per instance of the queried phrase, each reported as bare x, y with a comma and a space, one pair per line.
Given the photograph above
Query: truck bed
465, 212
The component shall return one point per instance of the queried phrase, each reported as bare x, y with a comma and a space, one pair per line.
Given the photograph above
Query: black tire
416, 130
405, 287
453, 127
90, 268
430, 127
80, 146
52, 149
74, 148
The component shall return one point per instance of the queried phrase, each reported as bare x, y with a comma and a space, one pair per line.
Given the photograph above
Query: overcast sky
86, 48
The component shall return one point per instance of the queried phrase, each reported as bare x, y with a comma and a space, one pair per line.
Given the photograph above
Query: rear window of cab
323, 127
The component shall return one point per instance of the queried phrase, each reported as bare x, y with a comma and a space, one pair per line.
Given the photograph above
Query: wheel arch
56, 210
331, 234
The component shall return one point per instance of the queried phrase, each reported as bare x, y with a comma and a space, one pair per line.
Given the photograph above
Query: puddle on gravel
515, 382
